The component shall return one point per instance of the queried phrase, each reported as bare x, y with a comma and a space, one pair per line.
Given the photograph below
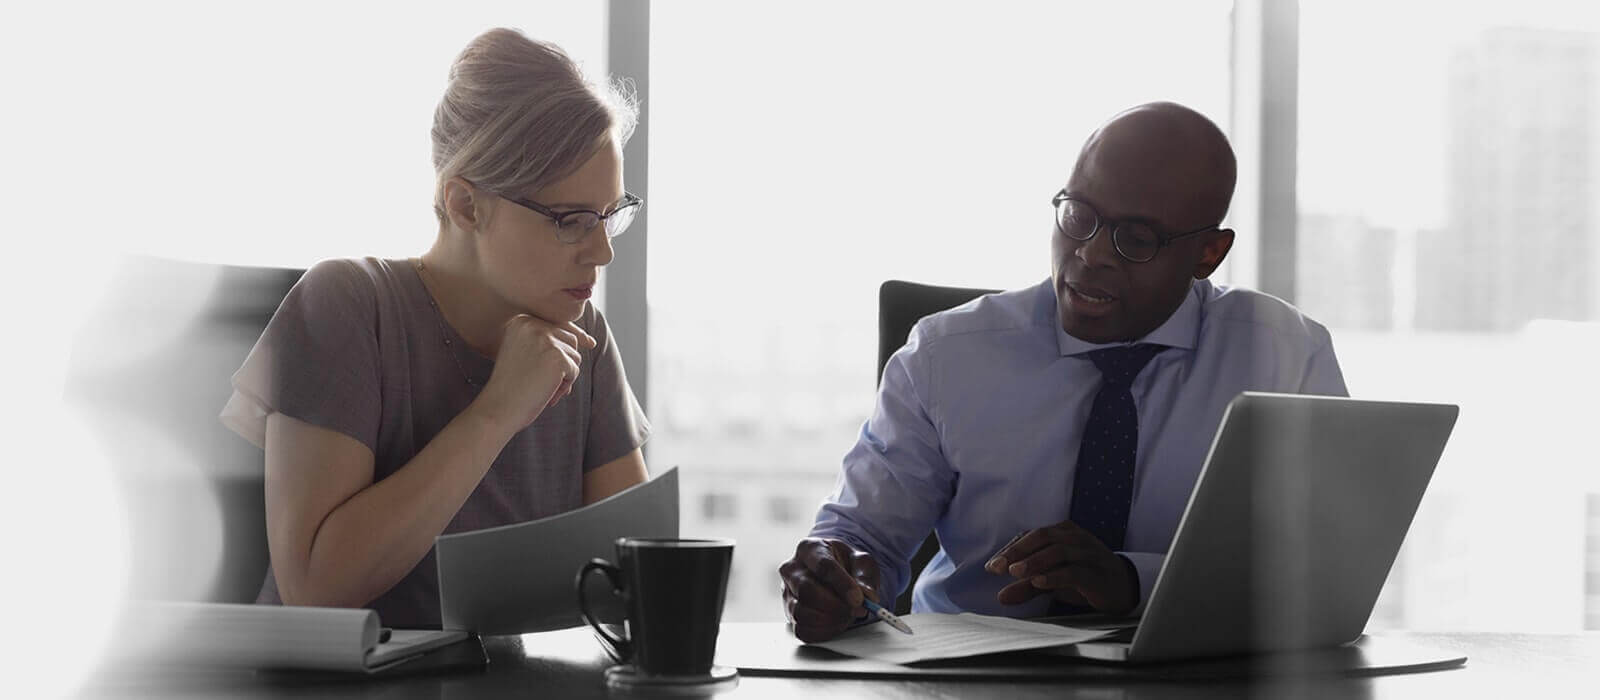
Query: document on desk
941, 636
518, 578
267, 637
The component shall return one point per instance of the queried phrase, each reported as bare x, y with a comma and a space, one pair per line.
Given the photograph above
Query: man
1051, 436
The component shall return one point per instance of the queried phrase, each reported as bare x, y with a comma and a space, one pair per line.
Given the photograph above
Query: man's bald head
1160, 168
1168, 151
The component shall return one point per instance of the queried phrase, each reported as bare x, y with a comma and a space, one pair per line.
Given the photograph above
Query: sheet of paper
518, 578
940, 636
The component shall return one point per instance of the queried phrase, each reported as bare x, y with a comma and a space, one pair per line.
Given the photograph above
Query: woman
384, 419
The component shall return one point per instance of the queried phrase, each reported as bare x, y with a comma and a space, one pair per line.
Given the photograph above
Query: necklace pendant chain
444, 328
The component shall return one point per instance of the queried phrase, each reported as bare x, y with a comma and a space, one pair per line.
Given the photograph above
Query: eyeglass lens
1133, 240
574, 226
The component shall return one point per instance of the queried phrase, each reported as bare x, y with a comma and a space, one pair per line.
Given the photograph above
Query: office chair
150, 374
900, 306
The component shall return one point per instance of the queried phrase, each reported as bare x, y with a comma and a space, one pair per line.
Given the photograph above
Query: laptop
1290, 532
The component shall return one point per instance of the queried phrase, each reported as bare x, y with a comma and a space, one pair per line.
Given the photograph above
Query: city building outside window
1449, 236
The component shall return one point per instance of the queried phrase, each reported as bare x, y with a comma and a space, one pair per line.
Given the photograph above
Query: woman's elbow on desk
308, 595
311, 475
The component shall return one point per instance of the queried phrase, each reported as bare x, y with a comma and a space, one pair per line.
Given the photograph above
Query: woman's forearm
370, 542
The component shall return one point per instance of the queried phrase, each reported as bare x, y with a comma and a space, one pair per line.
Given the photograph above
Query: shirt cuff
1146, 565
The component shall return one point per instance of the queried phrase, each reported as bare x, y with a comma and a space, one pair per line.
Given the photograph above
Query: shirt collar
1180, 330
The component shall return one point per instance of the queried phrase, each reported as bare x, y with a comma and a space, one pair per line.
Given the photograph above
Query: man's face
1101, 296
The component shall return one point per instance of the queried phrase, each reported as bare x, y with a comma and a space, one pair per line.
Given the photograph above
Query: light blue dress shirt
976, 429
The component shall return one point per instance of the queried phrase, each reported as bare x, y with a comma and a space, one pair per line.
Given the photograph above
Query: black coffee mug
673, 591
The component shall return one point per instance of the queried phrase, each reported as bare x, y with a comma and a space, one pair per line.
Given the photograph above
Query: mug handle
619, 648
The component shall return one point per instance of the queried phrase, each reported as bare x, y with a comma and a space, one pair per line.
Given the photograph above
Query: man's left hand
1067, 561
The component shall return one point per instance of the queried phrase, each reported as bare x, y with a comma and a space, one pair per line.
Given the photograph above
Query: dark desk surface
569, 664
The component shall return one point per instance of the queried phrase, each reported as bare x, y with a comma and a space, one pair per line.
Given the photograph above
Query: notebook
269, 637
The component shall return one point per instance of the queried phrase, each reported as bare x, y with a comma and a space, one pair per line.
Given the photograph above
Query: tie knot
1119, 365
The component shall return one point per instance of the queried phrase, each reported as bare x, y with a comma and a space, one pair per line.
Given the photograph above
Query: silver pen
886, 616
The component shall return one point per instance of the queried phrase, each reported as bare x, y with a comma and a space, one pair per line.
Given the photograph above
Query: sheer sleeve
617, 424
317, 360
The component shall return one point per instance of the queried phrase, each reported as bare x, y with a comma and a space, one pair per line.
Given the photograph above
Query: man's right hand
823, 586
534, 367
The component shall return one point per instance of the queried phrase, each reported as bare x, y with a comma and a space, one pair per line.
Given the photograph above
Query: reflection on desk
569, 664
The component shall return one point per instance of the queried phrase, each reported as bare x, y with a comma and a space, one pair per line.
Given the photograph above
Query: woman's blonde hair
519, 114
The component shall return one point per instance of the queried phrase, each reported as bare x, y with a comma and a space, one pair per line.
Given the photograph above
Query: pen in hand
886, 616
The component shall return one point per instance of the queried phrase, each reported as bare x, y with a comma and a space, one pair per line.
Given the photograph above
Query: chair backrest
900, 305
150, 374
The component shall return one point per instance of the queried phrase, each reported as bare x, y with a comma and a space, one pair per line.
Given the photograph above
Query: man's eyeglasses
574, 225
1136, 241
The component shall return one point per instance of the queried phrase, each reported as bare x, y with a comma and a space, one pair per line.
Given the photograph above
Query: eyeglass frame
629, 199
1101, 221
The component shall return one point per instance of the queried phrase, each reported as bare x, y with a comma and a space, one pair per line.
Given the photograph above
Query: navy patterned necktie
1102, 484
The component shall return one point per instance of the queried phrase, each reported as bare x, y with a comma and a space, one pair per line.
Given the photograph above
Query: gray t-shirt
358, 347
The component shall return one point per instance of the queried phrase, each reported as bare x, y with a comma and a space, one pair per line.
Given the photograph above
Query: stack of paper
940, 636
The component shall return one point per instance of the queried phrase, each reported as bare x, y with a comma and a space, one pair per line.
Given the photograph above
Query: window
785, 510
243, 133
819, 149
1449, 238
1591, 553
267, 135
719, 506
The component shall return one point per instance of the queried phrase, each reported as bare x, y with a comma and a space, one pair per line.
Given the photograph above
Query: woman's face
526, 265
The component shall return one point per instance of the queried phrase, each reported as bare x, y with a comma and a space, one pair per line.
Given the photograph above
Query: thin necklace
438, 316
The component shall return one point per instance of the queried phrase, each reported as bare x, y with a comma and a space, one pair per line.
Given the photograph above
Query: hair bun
519, 114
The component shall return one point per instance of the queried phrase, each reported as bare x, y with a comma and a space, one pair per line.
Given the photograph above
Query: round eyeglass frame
1117, 227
